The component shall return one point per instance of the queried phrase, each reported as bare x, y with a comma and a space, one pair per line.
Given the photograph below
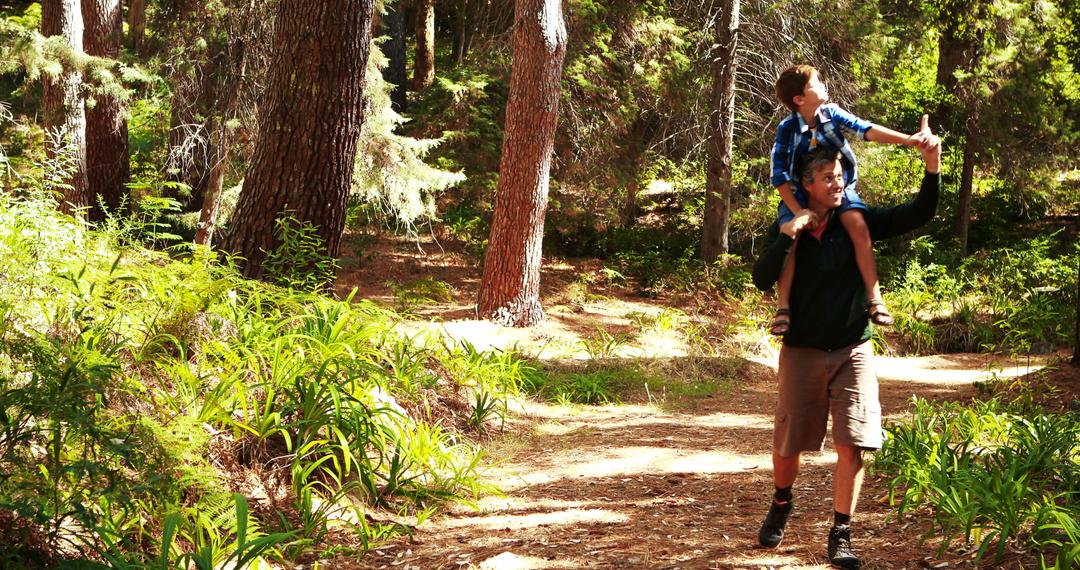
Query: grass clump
994, 476
665, 382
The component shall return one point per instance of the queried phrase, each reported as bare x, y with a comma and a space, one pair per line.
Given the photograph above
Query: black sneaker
840, 551
772, 530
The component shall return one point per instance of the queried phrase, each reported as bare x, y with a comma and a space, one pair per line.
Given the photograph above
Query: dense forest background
184, 181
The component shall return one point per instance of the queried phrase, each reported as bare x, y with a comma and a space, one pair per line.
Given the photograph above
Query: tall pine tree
311, 117
510, 287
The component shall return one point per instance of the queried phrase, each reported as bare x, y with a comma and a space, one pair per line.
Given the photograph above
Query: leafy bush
990, 473
299, 261
1019, 299
136, 391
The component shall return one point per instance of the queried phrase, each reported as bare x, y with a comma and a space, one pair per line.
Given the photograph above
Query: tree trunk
951, 56
465, 24
424, 73
189, 142
311, 116
107, 160
136, 24
215, 180
510, 286
967, 179
1076, 324
396, 72
714, 241
64, 108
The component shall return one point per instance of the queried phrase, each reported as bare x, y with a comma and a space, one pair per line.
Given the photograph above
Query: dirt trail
639, 487
634, 486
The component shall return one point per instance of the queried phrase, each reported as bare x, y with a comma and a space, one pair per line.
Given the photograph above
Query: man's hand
930, 147
804, 219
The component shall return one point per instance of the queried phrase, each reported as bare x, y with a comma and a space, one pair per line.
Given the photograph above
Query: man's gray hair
814, 160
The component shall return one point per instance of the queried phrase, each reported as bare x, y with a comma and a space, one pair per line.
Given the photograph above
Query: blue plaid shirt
793, 141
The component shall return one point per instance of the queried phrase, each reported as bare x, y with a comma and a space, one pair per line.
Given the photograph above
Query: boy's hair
792, 82
815, 159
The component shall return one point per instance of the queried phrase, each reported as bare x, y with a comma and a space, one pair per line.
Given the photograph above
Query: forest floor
680, 483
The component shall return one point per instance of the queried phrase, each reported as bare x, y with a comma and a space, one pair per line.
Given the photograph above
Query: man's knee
850, 453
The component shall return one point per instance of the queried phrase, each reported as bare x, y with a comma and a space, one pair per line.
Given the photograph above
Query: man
826, 363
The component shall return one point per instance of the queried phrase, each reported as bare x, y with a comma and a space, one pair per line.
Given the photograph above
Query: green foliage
661, 382
1017, 299
390, 172
134, 388
300, 261
423, 291
991, 474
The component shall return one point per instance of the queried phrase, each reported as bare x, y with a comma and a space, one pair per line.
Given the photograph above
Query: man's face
826, 190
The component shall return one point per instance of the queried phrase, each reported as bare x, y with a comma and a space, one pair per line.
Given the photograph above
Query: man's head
801, 85
823, 177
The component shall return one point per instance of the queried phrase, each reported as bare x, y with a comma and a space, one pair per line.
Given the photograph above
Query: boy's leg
782, 319
856, 227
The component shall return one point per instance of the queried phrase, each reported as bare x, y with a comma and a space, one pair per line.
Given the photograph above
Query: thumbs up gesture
929, 145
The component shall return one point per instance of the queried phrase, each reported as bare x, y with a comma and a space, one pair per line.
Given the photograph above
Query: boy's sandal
781, 322
880, 316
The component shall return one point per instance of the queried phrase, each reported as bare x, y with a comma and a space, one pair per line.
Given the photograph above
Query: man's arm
771, 261
890, 222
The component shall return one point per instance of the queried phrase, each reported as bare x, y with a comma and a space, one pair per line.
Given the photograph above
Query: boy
812, 122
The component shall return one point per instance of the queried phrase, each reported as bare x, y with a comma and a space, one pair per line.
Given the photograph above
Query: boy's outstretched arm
880, 134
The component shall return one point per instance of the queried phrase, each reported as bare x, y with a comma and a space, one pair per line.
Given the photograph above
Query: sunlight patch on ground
510, 561
533, 520
564, 420
771, 560
608, 413
564, 334
724, 420
493, 504
637, 460
941, 368
945, 369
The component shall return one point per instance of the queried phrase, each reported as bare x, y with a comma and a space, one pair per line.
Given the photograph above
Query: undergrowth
160, 411
995, 476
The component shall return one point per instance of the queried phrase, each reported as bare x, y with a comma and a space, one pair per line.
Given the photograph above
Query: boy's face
827, 188
814, 94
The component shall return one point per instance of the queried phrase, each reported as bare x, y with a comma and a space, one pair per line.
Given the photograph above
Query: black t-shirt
828, 297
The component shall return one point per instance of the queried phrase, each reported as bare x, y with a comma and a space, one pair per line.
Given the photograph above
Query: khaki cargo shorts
814, 383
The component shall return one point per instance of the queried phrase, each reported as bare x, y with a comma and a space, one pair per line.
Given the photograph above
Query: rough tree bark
424, 72
714, 241
396, 72
311, 116
510, 286
136, 24
215, 179
1076, 336
107, 162
64, 107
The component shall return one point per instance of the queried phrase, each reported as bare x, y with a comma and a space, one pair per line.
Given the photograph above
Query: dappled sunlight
633, 460
961, 368
767, 560
560, 518
725, 420
952, 369
491, 504
510, 561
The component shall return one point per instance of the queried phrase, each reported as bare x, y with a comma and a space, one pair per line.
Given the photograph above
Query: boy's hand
803, 220
917, 139
931, 147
